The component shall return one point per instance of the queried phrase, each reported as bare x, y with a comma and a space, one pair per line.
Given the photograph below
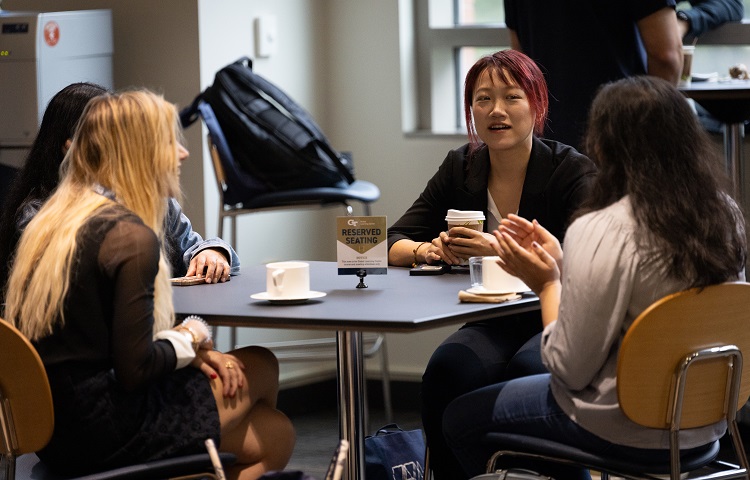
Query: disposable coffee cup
287, 280
497, 280
473, 219
688, 51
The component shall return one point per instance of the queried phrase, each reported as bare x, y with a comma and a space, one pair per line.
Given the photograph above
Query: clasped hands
526, 249
458, 244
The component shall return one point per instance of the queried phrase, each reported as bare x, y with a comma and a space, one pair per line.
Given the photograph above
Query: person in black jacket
504, 169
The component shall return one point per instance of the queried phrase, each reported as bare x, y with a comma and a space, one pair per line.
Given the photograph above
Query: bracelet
201, 325
416, 262
190, 335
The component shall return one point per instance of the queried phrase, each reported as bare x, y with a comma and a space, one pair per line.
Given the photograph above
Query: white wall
340, 60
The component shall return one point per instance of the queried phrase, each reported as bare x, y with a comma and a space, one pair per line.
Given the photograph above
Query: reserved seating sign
361, 244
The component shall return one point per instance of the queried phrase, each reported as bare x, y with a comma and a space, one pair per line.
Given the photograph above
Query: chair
700, 331
230, 182
27, 421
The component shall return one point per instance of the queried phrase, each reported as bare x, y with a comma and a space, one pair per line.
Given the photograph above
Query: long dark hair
514, 68
40, 173
649, 146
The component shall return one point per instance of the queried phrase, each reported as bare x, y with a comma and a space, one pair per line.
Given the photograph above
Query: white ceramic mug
288, 279
495, 279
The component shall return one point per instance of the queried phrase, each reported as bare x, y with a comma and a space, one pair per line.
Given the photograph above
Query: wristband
415, 254
190, 335
196, 325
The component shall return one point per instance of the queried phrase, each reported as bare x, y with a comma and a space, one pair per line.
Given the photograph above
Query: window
441, 39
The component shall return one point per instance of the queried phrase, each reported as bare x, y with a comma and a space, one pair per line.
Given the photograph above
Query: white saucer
287, 301
483, 291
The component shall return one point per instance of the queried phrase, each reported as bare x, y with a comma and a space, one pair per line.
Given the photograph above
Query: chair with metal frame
703, 332
27, 422
229, 178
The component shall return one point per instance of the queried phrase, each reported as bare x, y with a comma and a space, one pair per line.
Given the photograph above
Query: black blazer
558, 179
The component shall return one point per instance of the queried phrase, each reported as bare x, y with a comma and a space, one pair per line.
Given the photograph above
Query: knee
451, 371
259, 358
285, 438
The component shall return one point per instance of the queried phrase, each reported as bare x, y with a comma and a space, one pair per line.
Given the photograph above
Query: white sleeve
182, 346
599, 264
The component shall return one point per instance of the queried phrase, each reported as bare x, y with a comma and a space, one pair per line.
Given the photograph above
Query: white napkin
467, 297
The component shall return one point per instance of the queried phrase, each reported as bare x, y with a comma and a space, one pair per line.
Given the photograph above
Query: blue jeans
524, 406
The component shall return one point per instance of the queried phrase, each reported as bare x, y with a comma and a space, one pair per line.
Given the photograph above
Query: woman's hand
465, 242
211, 262
216, 364
534, 266
437, 251
525, 233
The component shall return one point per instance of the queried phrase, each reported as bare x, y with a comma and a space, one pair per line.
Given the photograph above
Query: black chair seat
359, 190
515, 443
30, 467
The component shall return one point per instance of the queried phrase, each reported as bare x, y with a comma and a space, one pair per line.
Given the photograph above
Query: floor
313, 412
317, 437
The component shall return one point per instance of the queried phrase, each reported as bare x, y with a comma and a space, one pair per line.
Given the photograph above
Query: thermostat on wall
265, 36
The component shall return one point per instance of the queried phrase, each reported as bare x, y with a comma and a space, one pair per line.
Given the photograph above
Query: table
395, 302
729, 102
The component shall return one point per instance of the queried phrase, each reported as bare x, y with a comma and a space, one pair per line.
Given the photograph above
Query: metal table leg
350, 378
733, 138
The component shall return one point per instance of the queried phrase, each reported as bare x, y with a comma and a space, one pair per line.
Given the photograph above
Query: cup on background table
288, 279
688, 51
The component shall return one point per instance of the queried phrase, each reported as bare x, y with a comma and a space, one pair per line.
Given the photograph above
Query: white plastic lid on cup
464, 216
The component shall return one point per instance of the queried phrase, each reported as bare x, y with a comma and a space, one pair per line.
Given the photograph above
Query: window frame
430, 58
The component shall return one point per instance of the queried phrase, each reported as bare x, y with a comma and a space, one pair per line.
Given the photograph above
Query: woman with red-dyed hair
504, 169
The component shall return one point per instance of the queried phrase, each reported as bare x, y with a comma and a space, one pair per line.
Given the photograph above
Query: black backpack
273, 139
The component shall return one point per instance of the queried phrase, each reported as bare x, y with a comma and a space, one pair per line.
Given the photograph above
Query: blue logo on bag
408, 471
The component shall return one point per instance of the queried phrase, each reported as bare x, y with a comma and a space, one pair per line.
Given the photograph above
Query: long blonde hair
126, 143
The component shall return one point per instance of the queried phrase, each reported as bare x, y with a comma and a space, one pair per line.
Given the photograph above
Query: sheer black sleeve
129, 255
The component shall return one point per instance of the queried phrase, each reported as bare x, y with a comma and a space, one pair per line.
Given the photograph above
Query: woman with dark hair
504, 169
658, 222
39, 176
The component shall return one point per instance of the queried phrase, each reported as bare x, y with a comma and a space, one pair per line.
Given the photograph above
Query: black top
109, 307
118, 399
579, 45
557, 180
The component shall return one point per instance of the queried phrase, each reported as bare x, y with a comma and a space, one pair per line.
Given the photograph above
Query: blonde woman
90, 287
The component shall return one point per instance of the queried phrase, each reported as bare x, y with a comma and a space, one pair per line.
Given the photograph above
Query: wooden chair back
664, 335
26, 410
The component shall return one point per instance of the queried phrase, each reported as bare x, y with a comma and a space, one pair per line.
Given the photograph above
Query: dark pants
477, 355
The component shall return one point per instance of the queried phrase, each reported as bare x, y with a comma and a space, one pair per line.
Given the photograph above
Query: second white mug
495, 279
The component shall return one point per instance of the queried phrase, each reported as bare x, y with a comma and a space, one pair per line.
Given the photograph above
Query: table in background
729, 102
395, 302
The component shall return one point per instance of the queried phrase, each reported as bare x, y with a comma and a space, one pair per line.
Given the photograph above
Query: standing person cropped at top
90, 288
188, 252
582, 44
505, 169
658, 222
705, 15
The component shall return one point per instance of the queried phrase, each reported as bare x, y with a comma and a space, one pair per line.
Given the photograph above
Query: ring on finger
229, 365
